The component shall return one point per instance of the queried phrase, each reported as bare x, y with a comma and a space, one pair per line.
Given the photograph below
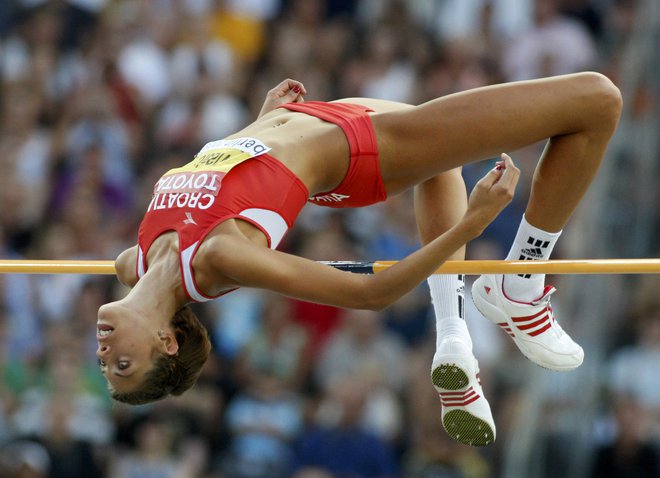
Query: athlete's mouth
103, 330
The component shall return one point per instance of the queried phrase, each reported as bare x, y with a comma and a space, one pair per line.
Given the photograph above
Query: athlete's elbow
374, 305
374, 300
366, 292
379, 305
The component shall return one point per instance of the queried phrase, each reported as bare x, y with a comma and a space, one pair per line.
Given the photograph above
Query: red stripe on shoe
458, 399
529, 317
533, 324
541, 330
469, 392
456, 394
506, 328
459, 403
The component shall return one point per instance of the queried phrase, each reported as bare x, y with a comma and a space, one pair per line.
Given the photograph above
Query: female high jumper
214, 224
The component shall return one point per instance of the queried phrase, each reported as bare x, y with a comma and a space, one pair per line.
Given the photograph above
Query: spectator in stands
263, 420
555, 45
154, 453
642, 356
632, 453
363, 350
339, 445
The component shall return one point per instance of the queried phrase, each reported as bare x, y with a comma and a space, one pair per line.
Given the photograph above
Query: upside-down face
128, 346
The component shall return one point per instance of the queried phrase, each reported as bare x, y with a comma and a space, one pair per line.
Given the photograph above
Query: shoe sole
489, 310
460, 424
467, 429
450, 377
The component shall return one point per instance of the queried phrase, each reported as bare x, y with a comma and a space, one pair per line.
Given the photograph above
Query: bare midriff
314, 150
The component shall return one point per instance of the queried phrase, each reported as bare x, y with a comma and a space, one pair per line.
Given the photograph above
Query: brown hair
173, 374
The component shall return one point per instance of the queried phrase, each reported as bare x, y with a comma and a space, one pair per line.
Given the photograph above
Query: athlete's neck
159, 293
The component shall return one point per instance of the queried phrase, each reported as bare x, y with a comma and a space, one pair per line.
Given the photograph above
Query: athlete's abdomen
314, 150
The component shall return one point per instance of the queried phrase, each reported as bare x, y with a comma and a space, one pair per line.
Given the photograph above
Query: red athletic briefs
237, 179
363, 183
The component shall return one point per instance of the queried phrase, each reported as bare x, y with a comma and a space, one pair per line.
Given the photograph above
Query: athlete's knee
454, 175
450, 180
604, 97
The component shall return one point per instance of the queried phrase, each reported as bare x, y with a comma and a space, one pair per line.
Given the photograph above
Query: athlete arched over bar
213, 225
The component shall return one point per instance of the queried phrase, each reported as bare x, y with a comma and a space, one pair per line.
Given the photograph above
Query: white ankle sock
447, 295
530, 244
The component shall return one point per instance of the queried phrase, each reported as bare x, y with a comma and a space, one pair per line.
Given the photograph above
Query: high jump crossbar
471, 267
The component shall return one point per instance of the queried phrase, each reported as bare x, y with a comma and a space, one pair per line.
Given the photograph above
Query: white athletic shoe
531, 325
466, 413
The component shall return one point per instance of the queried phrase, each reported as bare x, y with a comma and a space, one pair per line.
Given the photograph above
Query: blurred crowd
99, 97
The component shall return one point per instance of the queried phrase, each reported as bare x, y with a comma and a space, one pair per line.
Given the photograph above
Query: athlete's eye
123, 364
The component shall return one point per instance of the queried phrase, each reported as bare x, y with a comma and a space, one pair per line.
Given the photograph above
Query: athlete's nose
102, 351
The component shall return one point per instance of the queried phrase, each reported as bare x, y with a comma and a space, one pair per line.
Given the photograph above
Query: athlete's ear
168, 342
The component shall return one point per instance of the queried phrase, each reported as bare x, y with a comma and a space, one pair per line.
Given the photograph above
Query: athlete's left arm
288, 91
247, 264
243, 263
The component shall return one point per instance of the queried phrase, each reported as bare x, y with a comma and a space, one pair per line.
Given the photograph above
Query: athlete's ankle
530, 244
453, 345
452, 329
523, 289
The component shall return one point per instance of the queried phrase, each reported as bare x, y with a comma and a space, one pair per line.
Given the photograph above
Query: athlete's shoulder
126, 266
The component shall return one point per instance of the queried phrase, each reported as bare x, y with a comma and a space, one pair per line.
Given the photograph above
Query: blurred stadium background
98, 97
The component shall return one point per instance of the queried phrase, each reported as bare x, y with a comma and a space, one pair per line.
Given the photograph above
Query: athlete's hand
492, 194
288, 91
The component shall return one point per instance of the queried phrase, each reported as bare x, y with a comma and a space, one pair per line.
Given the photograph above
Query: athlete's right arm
288, 91
125, 267
249, 265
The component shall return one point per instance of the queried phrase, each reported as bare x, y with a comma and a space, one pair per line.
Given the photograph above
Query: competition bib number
223, 155
196, 184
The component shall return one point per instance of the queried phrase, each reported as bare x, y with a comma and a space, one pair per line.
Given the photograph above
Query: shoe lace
545, 297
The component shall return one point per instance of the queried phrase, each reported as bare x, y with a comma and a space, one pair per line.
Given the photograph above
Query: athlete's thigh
418, 143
